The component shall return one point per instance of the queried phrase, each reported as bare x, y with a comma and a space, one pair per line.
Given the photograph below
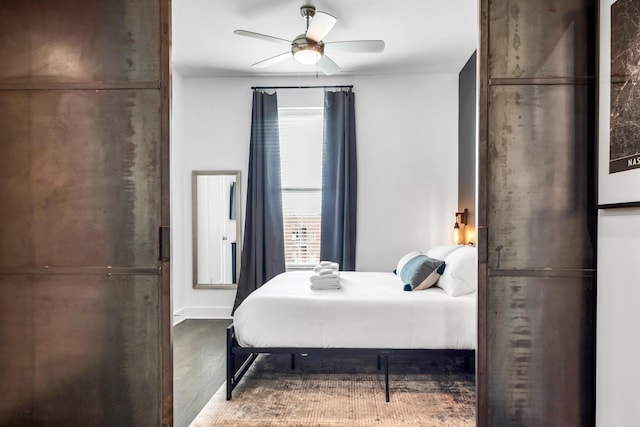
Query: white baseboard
178, 316
201, 313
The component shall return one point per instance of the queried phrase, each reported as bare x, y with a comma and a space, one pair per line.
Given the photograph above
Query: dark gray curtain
263, 246
339, 180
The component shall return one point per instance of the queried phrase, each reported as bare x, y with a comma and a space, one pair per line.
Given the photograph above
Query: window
301, 155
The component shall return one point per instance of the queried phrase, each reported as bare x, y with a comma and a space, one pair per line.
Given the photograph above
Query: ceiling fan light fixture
306, 51
307, 56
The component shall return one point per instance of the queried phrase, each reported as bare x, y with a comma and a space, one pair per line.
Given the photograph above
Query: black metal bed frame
250, 354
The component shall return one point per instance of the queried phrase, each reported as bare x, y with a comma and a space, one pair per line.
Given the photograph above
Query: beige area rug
347, 391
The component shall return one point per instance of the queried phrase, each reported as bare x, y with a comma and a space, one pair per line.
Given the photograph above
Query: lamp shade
459, 234
456, 233
307, 56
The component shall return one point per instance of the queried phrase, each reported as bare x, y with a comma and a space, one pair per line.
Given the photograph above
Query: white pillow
460, 275
442, 252
405, 259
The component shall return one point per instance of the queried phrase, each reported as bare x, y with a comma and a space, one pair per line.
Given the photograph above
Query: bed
370, 313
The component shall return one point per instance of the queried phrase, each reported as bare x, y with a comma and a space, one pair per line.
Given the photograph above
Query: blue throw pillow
421, 272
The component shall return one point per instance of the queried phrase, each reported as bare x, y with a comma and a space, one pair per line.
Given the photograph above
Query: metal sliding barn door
536, 213
85, 326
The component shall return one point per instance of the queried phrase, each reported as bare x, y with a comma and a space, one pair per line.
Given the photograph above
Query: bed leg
293, 361
379, 362
230, 362
386, 376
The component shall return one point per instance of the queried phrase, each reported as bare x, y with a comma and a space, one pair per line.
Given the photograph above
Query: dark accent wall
467, 139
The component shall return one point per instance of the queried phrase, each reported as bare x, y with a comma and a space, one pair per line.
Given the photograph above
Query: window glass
301, 156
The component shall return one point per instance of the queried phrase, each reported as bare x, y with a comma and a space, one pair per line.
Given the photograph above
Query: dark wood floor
199, 366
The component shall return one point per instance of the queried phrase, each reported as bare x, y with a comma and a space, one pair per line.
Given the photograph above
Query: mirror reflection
216, 228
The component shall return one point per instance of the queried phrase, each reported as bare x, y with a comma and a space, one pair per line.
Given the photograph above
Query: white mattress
370, 311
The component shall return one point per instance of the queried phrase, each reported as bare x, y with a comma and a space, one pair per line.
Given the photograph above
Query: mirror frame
194, 221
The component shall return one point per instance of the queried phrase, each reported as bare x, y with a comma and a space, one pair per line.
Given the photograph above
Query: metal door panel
540, 351
529, 39
539, 166
84, 350
536, 214
84, 167
79, 41
80, 178
16, 351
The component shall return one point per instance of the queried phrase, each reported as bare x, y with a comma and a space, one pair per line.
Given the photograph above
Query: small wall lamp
461, 219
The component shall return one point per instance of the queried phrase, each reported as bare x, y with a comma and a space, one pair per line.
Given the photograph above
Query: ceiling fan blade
261, 36
272, 60
320, 25
327, 66
355, 46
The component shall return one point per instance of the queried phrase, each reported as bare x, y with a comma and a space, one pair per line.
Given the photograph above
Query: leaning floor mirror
216, 229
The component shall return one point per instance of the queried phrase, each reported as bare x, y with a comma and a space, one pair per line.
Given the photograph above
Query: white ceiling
421, 36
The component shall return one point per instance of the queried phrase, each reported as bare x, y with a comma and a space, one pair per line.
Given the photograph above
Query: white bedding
370, 311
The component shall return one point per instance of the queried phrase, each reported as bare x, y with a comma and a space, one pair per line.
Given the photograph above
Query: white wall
618, 327
178, 225
407, 135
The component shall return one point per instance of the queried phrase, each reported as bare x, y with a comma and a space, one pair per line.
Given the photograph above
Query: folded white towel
322, 286
322, 265
325, 271
326, 263
331, 277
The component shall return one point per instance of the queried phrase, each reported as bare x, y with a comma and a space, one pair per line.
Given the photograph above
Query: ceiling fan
309, 48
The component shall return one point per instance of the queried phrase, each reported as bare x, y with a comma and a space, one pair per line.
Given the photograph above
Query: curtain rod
301, 87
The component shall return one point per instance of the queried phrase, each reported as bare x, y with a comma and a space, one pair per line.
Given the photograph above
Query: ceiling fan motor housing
303, 43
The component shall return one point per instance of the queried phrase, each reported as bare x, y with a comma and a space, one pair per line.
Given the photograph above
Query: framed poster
619, 103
